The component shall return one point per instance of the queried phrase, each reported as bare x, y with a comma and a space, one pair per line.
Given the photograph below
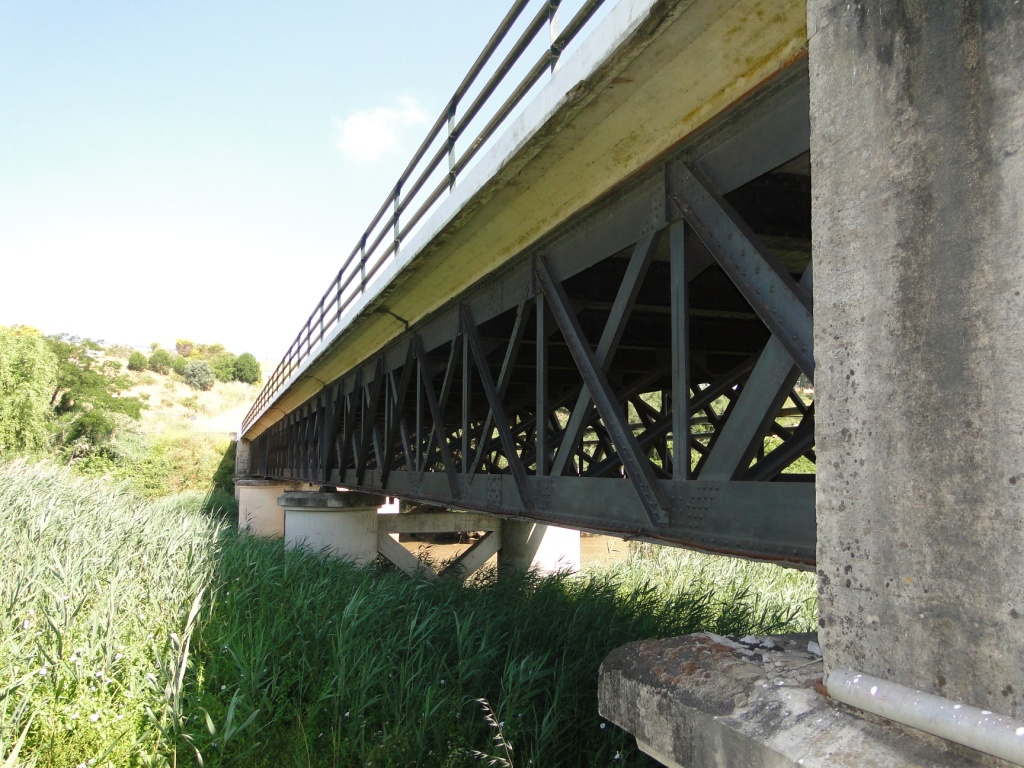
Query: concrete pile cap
708, 700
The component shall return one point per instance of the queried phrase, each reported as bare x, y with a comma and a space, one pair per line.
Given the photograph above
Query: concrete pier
258, 510
543, 548
917, 113
342, 524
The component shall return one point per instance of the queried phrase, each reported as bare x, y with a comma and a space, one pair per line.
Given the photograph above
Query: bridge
587, 305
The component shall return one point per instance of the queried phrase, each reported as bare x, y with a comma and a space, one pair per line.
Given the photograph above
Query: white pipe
976, 728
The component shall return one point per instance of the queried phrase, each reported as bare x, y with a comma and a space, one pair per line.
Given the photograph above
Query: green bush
179, 365
28, 379
137, 361
247, 369
199, 375
224, 367
160, 361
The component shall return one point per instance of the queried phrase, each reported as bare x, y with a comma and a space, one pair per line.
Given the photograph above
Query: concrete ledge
704, 700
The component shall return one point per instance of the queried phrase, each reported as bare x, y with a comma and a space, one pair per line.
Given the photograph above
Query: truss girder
661, 407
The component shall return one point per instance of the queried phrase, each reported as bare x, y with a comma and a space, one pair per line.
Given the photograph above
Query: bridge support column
343, 524
916, 114
258, 510
544, 548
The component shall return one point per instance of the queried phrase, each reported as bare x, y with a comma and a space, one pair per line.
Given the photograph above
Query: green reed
150, 633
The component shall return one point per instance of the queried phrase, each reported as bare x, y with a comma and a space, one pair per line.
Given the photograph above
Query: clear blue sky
199, 169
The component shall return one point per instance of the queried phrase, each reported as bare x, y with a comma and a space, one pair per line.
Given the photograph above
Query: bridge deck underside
556, 389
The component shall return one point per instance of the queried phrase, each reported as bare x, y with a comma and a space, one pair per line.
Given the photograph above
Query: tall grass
150, 633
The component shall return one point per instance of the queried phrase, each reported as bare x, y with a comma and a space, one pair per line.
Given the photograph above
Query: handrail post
452, 107
362, 265
553, 29
398, 203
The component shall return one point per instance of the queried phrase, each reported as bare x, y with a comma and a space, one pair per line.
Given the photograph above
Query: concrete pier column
544, 548
343, 524
258, 510
917, 146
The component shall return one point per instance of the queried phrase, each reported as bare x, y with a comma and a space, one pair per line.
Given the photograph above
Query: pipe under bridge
587, 302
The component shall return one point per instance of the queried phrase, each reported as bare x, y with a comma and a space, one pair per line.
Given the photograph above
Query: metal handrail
382, 238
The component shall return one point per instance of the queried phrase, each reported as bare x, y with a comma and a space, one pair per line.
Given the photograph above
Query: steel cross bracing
558, 389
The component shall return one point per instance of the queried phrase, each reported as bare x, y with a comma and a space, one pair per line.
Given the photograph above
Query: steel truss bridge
644, 368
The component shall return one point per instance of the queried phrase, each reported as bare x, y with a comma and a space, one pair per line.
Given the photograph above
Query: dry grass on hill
171, 405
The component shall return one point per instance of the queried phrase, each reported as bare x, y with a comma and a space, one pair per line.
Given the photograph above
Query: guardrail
412, 197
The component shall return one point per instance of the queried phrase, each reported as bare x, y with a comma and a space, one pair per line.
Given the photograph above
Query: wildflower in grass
26, 624
94, 717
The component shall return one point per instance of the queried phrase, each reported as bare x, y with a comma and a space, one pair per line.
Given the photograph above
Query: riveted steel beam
782, 305
633, 459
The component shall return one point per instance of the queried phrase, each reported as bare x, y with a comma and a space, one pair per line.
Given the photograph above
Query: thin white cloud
369, 134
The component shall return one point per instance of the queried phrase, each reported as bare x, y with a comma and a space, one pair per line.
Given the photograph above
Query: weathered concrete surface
340, 524
651, 73
702, 700
543, 548
917, 126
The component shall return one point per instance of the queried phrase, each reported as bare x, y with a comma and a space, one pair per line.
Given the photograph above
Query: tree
247, 369
184, 347
137, 361
28, 374
87, 391
160, 361
199, 375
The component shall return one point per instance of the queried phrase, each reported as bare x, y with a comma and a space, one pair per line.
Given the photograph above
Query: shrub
160, 361
28, 378
224, 367
247, 369
137, 361
199, 375
184, 347
179, 365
